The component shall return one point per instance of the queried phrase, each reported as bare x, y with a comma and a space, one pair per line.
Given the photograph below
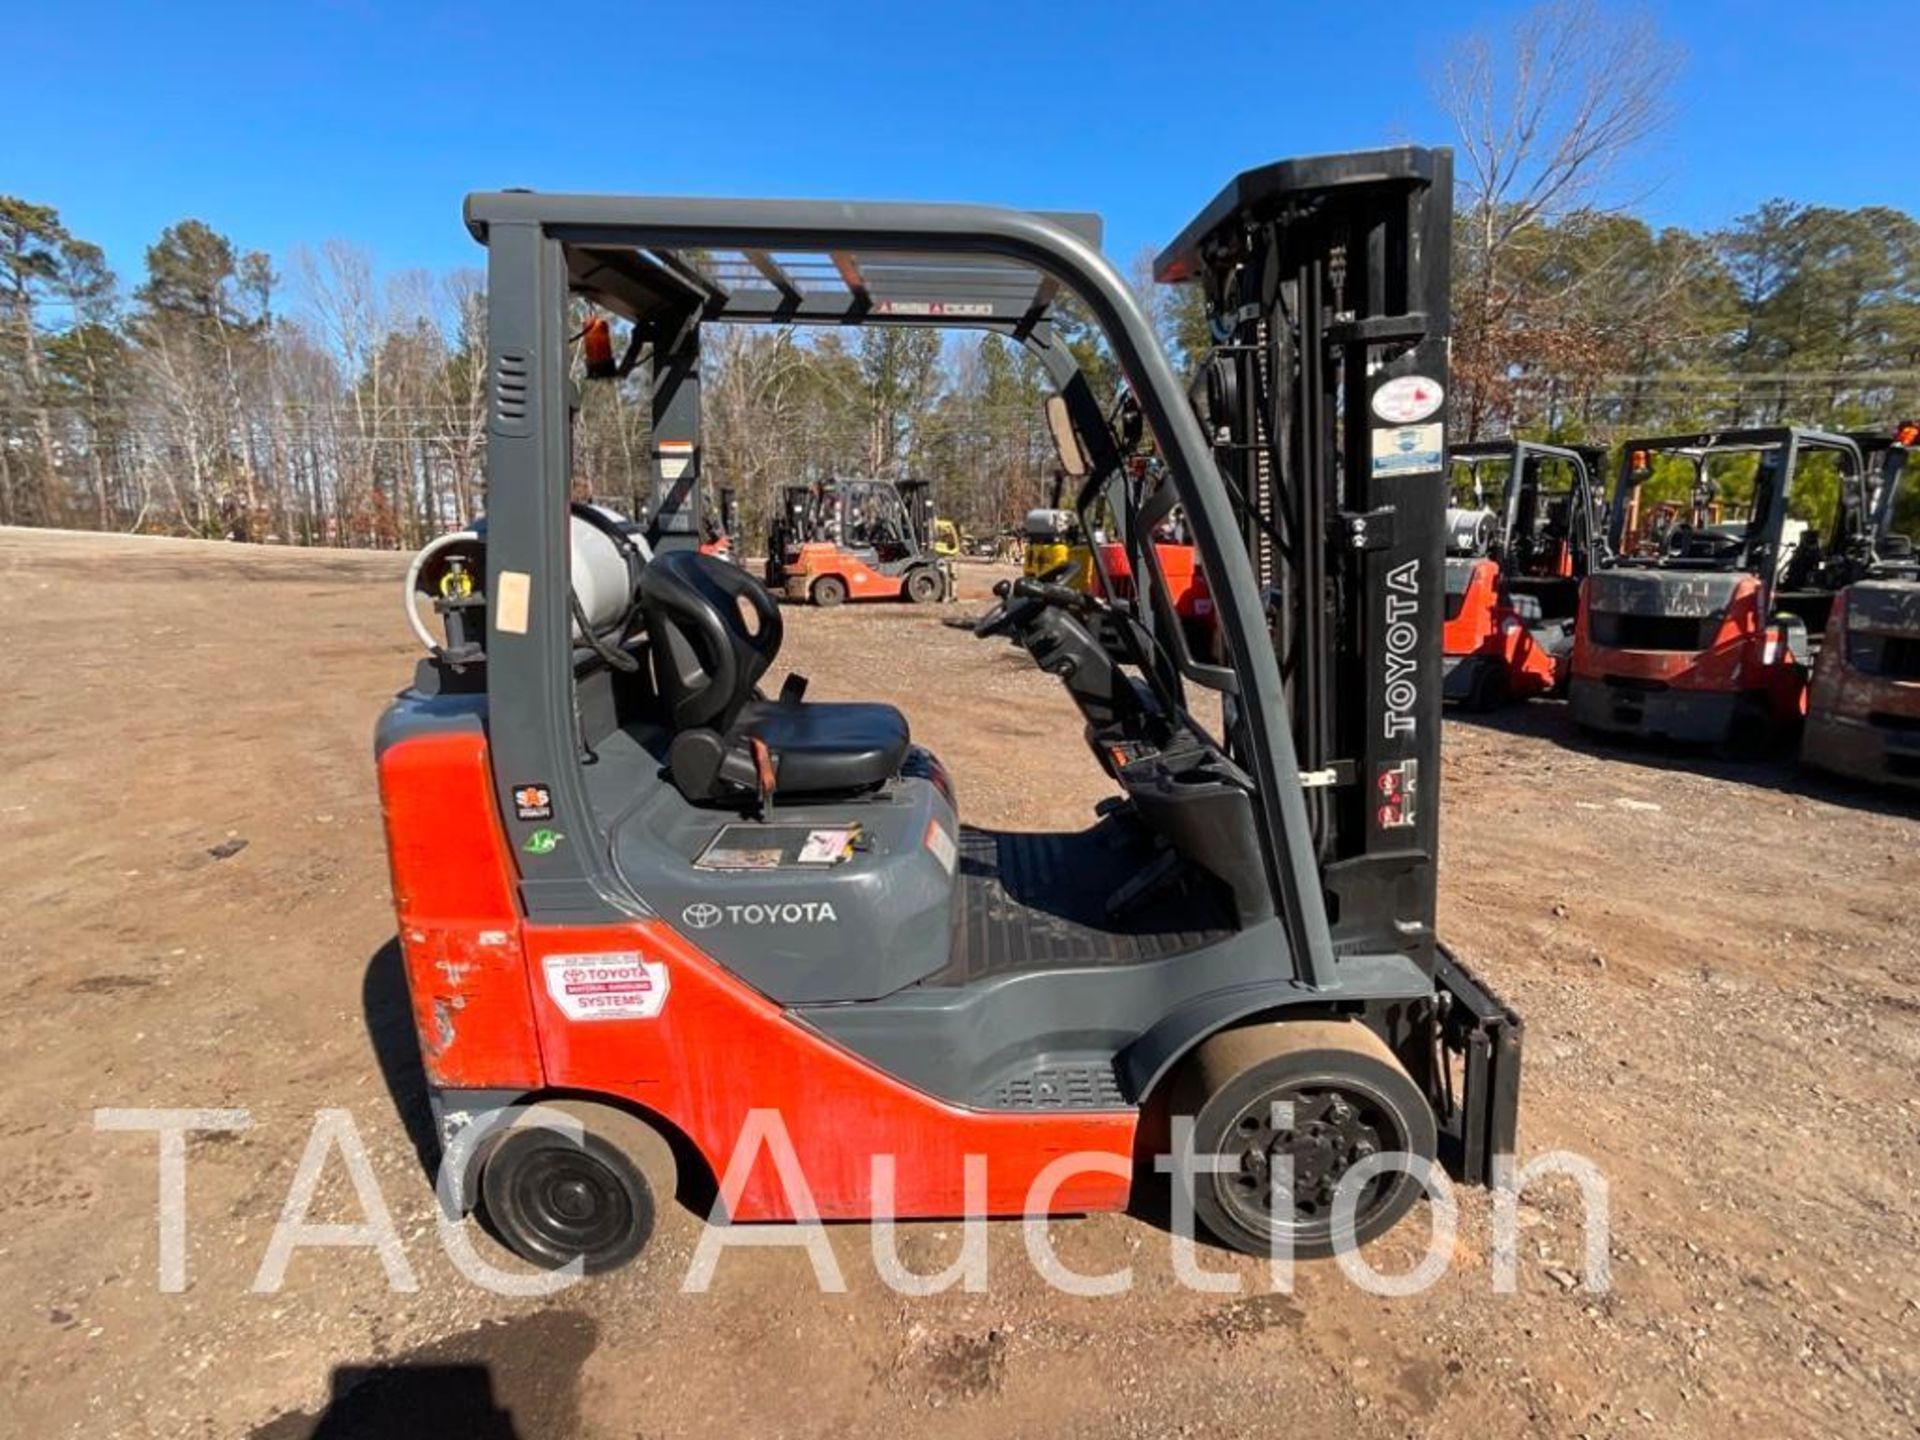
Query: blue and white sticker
1408, 400
1408, 449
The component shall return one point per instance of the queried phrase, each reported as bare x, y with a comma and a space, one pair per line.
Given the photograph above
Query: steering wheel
1022, 599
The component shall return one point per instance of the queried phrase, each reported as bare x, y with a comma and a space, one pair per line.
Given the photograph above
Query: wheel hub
1326, 1136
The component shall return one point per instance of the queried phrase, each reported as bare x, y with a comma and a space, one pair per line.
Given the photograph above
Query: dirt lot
1718, 968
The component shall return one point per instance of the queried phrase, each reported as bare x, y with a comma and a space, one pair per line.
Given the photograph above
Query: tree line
217, 395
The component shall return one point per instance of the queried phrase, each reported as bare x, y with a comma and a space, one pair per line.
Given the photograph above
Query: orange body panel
1737, 660
1488, 627
817, 558
1186, 582
1841, 697
459, 920
715, 1051
718, 1050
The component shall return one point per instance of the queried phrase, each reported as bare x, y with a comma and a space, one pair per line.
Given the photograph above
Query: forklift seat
708, 659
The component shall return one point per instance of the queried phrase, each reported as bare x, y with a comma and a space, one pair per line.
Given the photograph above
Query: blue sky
289, 123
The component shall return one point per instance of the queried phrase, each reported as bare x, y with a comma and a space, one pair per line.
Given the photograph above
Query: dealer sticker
1408, 449
1408, 399
607, 987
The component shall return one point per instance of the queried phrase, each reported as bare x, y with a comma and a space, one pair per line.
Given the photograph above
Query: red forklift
1700, 624
640, 889
1863, 710
845, 539
1521, 537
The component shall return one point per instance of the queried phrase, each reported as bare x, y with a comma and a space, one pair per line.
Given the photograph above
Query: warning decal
606, 987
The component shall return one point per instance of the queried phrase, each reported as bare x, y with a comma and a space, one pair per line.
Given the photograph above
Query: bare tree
1545, 113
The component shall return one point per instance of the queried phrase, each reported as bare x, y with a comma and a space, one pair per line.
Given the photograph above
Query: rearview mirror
1066, 439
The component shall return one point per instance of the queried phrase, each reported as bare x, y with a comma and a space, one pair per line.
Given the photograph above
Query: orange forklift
643, 882
1863, 712
843, 540
1521, 537
1699, 623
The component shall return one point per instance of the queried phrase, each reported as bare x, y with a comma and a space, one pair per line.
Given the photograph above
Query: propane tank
1047, 524
450, 572
1470, 532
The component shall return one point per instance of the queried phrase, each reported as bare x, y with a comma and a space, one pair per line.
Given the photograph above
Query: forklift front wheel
1310, 1099
554, 1194
828, 590
924, 586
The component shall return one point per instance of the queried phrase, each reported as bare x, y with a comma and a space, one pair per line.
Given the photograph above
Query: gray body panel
1892, 606
853, 931
1690, 716
1688, 594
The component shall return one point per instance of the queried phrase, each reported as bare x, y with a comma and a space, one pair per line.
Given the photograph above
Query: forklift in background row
843, 539
1702, 622
1522, 535
1863, 711
633, 887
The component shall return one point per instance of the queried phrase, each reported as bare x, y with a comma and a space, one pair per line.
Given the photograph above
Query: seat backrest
707, 656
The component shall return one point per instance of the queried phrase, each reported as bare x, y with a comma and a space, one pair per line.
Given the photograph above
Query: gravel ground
1717, 966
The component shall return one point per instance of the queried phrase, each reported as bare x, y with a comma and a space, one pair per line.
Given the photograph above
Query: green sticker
542, 842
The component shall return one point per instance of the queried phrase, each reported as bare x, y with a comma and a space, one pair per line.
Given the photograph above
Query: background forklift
1700, 624
630, 883
842, 540
1520, 539
1863, 710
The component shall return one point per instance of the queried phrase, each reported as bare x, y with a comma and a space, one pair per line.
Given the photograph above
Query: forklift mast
1326, 289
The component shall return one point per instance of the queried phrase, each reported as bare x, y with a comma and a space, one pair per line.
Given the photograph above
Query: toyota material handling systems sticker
607, 987
1408, 400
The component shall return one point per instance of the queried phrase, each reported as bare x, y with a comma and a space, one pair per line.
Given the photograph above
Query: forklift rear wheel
554, 1197
1350, 1099
924, 586
828, 590
1750, 734
1488, 692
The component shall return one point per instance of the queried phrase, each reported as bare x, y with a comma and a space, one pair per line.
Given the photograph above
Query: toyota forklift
649, 891
1863, 707
1702, 622
848, 539
1521, 537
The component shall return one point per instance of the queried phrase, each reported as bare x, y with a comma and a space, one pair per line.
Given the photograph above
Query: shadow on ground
507, 1380
1549, 720
388, 1014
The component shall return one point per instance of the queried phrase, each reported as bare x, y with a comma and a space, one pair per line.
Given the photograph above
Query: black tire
1750, 734
924, 586
553, 1197
1351, 1098
828, 590
1488, 691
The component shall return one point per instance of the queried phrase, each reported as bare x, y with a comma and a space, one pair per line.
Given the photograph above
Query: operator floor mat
1030, 902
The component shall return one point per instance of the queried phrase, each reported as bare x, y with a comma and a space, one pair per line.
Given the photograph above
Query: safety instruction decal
607, 987
1408, 449
1399, 787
